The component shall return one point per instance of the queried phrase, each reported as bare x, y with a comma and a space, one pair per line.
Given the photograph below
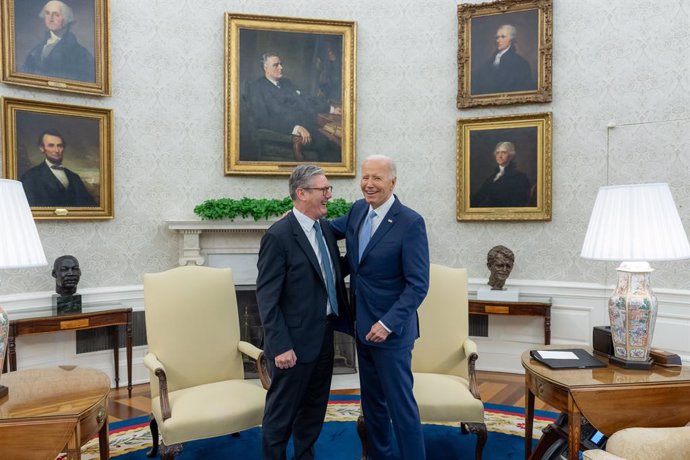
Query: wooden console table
92, 316
610, 398
526, 306
48, 411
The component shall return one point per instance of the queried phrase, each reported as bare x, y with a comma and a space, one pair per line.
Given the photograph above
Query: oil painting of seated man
277, 104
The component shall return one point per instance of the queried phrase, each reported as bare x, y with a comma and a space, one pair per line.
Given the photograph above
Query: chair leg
153, 426
480, 430
362, 433
169, 452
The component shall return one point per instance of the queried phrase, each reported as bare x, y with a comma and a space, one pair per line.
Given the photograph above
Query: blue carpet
339, 441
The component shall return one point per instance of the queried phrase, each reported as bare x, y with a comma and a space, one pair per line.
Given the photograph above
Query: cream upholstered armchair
194, 356
644, 444
443, 358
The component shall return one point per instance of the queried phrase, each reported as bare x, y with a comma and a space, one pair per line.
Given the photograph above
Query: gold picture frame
520, 190
45, 144
274, 122
32, 54
504, 52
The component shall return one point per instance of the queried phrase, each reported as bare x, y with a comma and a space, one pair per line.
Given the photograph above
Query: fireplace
236, 245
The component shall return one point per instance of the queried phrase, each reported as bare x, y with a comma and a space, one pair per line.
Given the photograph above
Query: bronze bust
67, 273
500, 261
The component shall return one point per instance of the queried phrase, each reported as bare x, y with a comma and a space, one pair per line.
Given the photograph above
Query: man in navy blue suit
302, 298
388, 254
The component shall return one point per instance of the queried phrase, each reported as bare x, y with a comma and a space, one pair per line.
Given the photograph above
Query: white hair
388, 160
66, 11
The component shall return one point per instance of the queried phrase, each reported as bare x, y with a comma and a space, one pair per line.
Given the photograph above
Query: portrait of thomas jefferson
503, 168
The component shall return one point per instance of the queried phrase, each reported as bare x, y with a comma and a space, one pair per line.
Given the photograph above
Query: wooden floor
494, 387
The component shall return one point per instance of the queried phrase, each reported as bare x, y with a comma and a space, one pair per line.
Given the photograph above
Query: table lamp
19, 246
634, 224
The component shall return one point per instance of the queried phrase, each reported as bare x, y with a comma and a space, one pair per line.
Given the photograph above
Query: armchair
443, 359
645, 443
194, 357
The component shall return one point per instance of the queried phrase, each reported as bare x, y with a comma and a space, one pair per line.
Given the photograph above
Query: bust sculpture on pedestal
500, 262
66, 272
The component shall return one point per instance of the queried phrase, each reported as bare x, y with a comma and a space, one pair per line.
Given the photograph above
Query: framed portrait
504, 52
62, 154
58, 45
504, 168
289, 94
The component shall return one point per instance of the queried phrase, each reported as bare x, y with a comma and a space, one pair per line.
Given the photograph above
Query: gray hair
66, 11
509, 146
392, 170
511, 31
301, 178
265, 56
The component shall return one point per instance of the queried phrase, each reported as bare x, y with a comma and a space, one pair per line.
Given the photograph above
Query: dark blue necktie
365, 234
325, 264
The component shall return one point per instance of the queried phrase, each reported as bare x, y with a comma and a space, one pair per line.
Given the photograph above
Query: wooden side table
92, 316
610, 398
526, 306
54, 410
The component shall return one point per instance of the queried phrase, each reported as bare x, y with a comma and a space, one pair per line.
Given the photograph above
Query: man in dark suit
506, 71
302, 299
277, 104
506, 186
50, 183
59, 54
388, 254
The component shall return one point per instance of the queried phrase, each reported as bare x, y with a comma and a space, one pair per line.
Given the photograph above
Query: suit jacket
42, 188
392, 279
510, 190
68, 59
291, 291
512, 74
280, 109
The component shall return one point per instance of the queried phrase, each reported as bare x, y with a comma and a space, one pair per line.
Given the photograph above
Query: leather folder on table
582, 359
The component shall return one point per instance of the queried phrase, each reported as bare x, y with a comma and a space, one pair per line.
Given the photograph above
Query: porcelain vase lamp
632, 313
20, 246
634, 224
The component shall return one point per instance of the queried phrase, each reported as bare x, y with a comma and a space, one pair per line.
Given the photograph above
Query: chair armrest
470, 349
257, 355
250, 350
597, 454
151, 362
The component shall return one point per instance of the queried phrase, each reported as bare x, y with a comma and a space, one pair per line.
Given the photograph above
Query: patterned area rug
133, 435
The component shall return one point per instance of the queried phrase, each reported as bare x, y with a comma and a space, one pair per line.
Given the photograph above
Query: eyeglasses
324, 190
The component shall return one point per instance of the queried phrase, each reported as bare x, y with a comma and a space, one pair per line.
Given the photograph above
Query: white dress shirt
307, 224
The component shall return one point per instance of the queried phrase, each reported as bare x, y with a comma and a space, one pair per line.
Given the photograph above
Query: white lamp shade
20, 245
635, 223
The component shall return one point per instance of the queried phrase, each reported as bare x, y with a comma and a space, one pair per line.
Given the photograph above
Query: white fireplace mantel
222, 243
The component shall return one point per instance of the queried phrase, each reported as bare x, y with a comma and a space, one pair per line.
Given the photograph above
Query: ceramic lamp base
624, 363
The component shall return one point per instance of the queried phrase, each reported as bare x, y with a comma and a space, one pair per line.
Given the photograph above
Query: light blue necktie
325, 264
365, 234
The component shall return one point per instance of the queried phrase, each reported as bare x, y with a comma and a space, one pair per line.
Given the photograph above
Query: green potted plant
259, 208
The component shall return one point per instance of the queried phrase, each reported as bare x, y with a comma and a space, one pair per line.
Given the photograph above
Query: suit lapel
305, 245
384, 227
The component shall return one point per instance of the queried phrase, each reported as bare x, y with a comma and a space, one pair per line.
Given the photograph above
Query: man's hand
336, 110
286, 360
377, 333
304, 134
